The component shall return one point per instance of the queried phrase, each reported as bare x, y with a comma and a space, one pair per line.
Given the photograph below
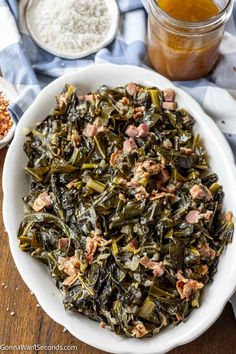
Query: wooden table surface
23, 322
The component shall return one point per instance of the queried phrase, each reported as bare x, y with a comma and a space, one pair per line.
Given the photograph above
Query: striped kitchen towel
30, 68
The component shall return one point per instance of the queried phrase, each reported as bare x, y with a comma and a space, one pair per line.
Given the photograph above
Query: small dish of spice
7, 125
72, 29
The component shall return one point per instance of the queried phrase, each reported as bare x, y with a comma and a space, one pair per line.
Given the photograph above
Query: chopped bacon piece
101, 128
152, 167
124, 101
70, 280
155, 195
134, 244
71, 184
205, 250
90, 130
69, 265
129, 145
187, 287
207, 215
131, 131
43, 201
192, 217
139, 330
141, 193
62, 243
162, 178
171, 106
204, 269
138, 112
62, 101
158, 268
169, 95
171, 188
102, 324
92, 243
133, 183
186, 151
76, 139
200, 192
131, 88
143, 130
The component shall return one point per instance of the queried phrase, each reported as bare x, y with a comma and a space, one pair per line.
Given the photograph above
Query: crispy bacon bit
124, 101
76, 139
62, 243
92, 243
200, 192
192, 217
158, 268
187, 287
167, 144
186, 151
143, 130
129, 145
131, 131
116, 157
131, 88
43, 201
171, 106
102, 324
139, 330
141, 193
206, 251
169, 95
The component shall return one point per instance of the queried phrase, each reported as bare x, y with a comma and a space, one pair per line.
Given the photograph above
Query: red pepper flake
5, 119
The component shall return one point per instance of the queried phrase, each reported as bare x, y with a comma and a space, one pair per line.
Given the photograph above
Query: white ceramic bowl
35, 34
11, 94
16, 185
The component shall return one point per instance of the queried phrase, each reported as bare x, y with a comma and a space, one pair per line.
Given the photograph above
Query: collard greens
122, 207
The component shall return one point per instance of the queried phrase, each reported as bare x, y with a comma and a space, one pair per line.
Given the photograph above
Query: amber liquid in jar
183, 54
190, 10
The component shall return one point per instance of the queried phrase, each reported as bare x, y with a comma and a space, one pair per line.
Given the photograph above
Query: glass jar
185, 50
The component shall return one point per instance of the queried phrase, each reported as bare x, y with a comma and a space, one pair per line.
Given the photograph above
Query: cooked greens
122, 207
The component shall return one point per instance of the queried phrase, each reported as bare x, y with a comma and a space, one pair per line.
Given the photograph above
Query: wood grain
29, 325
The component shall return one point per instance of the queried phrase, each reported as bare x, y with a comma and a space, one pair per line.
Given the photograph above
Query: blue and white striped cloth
30, 68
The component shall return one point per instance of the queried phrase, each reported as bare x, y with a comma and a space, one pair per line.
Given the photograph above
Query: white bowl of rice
72, 29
